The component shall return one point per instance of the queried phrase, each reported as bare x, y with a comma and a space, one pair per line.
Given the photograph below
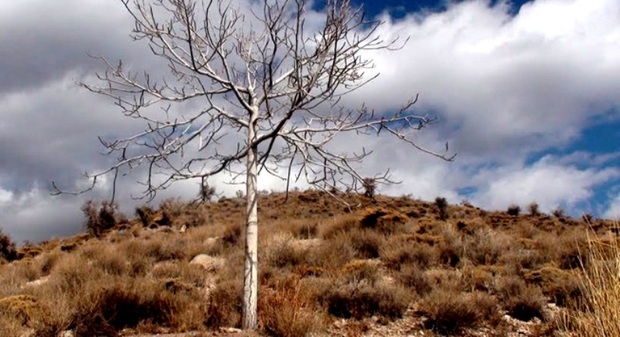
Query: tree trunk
250, 281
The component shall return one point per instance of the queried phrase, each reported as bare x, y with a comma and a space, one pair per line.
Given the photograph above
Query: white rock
38, 282
210, 263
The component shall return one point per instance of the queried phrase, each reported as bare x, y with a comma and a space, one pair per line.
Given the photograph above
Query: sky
526, 93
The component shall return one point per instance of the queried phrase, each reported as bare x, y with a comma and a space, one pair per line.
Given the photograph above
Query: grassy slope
454, 267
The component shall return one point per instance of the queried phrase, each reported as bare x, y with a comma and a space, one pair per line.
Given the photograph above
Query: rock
67, 333
210, 263
230, 330
38, 282
210, 242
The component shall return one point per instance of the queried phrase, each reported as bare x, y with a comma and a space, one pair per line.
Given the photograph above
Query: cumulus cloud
613, 211
523, 83
547, 182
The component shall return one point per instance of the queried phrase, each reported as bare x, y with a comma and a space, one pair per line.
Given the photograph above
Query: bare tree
260, 84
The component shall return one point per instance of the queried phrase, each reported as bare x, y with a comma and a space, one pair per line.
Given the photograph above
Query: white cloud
501, 82
546, 182
5, 196
613, 212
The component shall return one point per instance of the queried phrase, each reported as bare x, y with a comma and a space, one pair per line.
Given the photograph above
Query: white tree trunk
250, 281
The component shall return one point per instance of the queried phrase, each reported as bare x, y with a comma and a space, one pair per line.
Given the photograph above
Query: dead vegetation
454, 269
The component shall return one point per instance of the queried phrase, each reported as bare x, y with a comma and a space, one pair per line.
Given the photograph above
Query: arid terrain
385, 266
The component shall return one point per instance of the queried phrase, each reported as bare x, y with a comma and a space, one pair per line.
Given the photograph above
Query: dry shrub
534, 209
414, 278
442, 208
486, 246
338, 225
366, 243
398, 256
111, 261
444, 279
232, 235
303, 229
451, 248
144, 305
225, 304
599, 314
333, 253
101, 217
285, 254
513, 210
383, 220
156, 247
7, 247
561, 286
358, 300
286, 310
73, 274
361, 271
23, 308
477, 278
521, 301
450, 312
523, 258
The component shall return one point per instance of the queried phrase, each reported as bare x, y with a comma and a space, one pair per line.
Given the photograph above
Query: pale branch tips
251, 86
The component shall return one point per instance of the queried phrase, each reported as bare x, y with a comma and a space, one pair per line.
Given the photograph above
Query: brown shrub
7, 247
24, 308
451, 248
286, 310
361, 271
413, 277
421, 255
534, 209
358, 300
513, 210
476, 278
338, 225
225, 304
383, 220
450, 312
442, 208
521, 301
285, 254
100, 218
486, 246
560, 285
366, 243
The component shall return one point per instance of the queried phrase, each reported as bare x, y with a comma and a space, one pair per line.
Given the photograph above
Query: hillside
383, 267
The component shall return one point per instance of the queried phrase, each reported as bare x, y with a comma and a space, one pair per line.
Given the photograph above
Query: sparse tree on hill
256, 88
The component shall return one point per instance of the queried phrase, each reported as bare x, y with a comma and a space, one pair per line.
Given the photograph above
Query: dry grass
599, 314
459, 266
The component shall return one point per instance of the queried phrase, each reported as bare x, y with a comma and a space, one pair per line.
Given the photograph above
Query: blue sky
526, 94
400, 8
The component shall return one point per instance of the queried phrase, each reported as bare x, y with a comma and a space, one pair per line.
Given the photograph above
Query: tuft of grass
287, 310
598, 314
451, 312
383, 220
414, 278
521, 301
225, 304
359, 300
